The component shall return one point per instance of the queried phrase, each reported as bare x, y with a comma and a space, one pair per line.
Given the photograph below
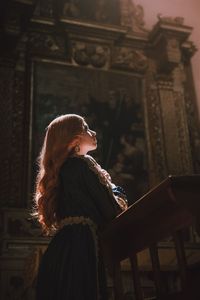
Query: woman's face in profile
88, 141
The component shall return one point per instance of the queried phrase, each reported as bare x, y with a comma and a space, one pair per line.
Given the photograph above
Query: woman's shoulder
72, 168
77, 162
73, 162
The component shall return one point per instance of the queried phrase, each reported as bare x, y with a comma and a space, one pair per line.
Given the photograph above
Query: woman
74, 199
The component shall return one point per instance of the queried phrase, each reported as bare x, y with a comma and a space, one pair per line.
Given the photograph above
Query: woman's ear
74, 143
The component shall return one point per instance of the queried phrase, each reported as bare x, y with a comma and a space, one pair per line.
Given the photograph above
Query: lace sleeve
104, 177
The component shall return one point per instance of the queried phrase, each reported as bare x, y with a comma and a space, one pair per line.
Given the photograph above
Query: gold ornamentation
77, 148
78, 220
121, 202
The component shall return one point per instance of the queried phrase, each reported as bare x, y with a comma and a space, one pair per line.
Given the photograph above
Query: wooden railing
164, 211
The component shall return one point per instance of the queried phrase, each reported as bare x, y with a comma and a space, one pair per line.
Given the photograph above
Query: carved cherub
70, 8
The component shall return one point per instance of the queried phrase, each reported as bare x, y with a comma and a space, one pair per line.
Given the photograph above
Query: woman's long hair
59, 143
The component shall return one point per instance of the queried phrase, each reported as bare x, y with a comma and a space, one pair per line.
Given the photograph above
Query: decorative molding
167, 38
184, 150
160, 29
92, 29
164, 82
170, 20
193, 128
156, 136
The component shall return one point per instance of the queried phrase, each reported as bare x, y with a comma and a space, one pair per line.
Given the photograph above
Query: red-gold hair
60, 140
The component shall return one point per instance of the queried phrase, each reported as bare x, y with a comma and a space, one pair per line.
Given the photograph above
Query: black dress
71, 267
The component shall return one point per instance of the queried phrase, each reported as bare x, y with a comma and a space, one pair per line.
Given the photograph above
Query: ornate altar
134, 87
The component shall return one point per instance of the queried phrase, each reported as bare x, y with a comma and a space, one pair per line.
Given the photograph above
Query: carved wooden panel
12, 118
22, 245
6, 93
156, 138
17, 154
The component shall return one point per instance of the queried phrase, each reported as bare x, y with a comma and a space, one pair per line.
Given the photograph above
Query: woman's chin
94, 147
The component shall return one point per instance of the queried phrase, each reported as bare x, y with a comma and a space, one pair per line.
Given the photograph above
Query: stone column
167, 38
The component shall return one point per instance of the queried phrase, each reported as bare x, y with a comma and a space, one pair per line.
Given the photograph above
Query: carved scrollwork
156, 134
194, 131
17, 224
46, 44
85, 54
127, 58
183, 135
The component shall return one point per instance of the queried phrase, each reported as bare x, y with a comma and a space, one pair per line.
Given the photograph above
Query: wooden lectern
165, 210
